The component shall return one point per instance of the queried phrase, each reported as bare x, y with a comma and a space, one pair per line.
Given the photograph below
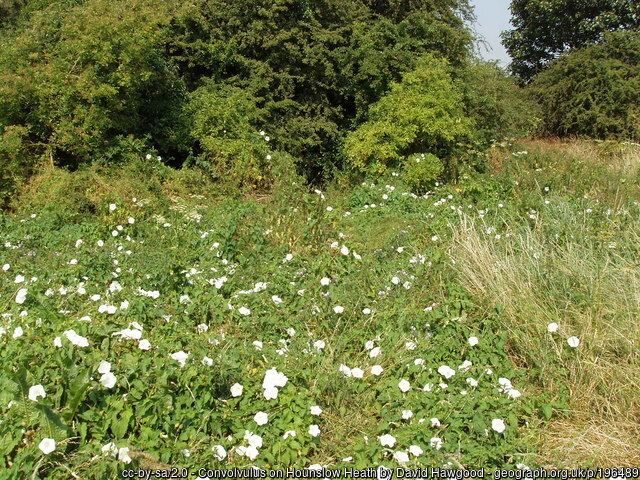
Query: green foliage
422, 113
75, 79
594, 91
420, 172
543, 30
497, 105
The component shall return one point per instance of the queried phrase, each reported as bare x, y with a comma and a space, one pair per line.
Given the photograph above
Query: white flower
465, 365
338, 309
415, 450
273, 378
261, 418
47, 445
573, 342
404, 385
123, 455
473, 341
395, 280
366, 311
435, 422
276, 299
436, 443
6, 267
253, 439
374, 352
401, 457
19, 279
17, 332
314, 430
108, 380
202, 328
376, 370
76, 339
207, 361
180, 357
319, 344
472, 381
144, 344
219, 452
57, 342
257, 344
407, 414
552, 327
387, 440
410, 346
244, 311
104, 367
446, 371
316, 410
344, 250
513, 393
289, 433
291, 332
368, 345
357, 372
112, 206
236, 390
21, 296
110, 449
498, 425
35, 392
344, 369
325, 281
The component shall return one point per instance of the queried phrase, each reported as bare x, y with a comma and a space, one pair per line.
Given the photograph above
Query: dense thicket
83, 81
544, 30
593, 91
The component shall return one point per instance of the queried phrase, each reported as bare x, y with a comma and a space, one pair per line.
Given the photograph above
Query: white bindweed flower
366, 311
573, 342
376, 370
552, 327
108, 380
387, 440
207, 361
219, 452
35, 392
47, 445
144, 344
498, 425
344, 250
319, 345
21, 296
17, 332
338, 309
374, 352
315, 410
473, 341
123, 455
236, 390
357, 372
407, 414
244, 311
415, 450
401, 457
314, 430
325, 281
436, 443
435, 422
180, 357
404, 386
289, 433
446, 371
112, 206
110, 449
104, 367
261, 418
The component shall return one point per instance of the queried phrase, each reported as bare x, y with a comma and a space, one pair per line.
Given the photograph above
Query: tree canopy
545, 29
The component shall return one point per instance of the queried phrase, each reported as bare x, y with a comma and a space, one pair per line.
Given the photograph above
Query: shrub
594, 91
421, 172
422, 113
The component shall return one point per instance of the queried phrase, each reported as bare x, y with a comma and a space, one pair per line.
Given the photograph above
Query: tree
545, 29
593, 91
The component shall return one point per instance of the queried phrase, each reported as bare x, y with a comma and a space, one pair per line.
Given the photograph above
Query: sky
493, 18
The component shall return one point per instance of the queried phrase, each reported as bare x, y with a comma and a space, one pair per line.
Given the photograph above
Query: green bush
422, 113
421, 172
498, 106
594, 91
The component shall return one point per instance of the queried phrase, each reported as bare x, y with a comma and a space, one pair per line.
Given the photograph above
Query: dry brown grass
537, 281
